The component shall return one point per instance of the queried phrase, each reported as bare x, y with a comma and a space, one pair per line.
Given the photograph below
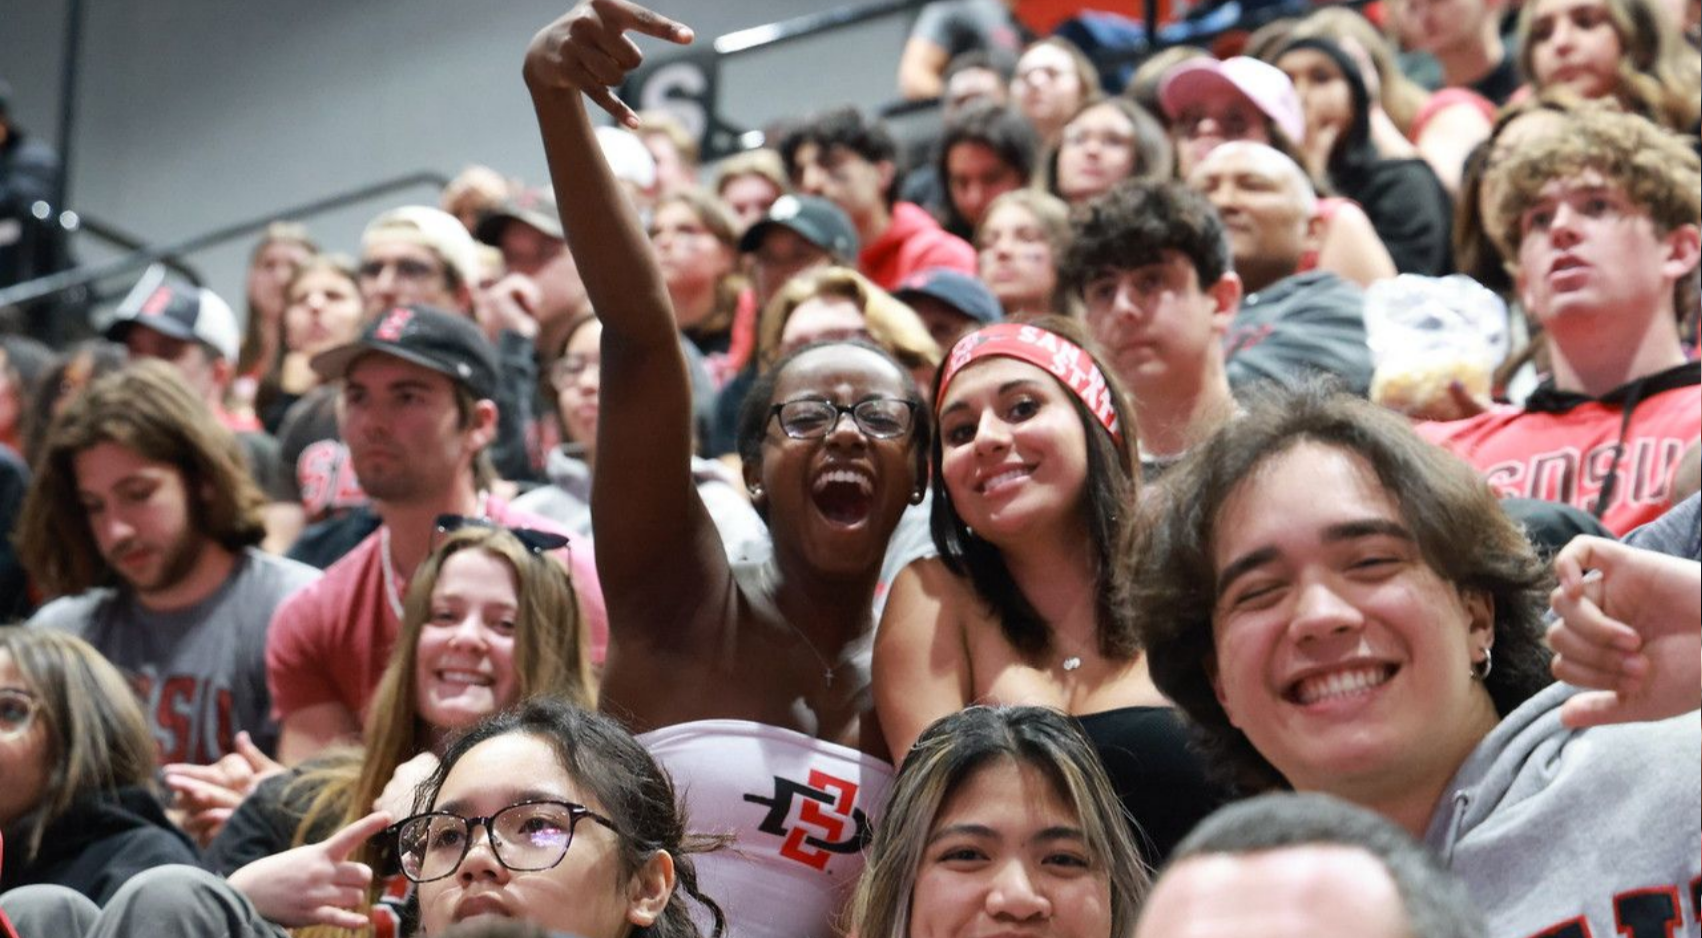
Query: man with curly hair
1151, 263
1601, 220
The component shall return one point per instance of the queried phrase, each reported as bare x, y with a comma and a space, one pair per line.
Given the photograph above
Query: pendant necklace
826, 670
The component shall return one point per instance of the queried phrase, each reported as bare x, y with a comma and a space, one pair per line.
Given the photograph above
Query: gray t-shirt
201, 671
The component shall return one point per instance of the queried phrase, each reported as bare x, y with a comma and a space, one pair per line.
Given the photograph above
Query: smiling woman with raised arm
749, 680
1033, 480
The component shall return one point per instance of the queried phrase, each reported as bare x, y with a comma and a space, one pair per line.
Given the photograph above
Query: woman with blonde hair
1626, 50
837, 303
973, 795
1018, 246
490, 620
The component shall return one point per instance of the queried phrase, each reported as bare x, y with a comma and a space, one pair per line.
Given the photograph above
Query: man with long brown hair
144, 521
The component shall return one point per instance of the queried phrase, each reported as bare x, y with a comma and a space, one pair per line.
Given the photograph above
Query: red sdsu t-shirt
1562, 447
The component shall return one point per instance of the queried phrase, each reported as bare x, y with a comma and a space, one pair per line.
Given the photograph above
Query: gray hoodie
1591, 833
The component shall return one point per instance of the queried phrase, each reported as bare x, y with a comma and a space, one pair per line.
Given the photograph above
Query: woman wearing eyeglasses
1034, 477
749, 679
77, 804
558, 816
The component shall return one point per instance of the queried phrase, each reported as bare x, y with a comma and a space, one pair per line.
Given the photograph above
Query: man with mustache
143, 519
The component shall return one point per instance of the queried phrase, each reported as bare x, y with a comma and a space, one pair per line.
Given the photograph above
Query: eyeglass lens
523, 837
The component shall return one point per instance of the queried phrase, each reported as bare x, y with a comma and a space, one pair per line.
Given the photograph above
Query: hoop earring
1480, 670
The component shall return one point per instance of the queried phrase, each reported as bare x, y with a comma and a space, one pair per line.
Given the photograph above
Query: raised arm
920, 668
664, 555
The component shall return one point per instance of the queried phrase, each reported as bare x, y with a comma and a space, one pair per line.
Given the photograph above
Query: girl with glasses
77, 801
555, 815
489, 621
1034, 480
749, 678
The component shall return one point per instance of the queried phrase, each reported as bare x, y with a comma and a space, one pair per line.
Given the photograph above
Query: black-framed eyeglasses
534, 540
525, 837
880, 418
18, 709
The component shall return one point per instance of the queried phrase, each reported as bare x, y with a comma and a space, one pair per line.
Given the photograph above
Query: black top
98, 845
1411, 211
1157, 775
1500, 82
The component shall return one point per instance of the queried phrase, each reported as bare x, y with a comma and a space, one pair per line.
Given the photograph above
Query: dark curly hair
1170, 579
1112, 488
626, 783
840, 127
1136, 222
1000, 129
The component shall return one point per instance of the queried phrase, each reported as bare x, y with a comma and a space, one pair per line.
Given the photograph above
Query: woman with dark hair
77, 800
985, 790
1402, 195
751, 679
1210, 103
1033, 475
550, 766
1383, 645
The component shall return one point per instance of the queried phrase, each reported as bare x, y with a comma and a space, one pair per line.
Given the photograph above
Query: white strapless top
801, 811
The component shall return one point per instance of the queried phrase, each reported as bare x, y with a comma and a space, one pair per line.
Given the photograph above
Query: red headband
1056, 355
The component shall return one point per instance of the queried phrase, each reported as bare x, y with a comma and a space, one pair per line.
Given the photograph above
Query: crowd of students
1050, 539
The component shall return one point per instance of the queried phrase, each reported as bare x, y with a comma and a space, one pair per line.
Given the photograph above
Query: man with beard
144, 520
417, 413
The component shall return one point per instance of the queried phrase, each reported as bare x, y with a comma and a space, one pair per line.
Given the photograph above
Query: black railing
141, 257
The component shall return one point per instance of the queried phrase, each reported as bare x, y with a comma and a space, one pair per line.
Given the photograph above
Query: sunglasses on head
536, 541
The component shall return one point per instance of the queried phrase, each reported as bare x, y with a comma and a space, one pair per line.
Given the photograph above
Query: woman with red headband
1033, 475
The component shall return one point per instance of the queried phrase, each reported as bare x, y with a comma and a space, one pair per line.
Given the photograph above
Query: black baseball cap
447, 343
966, 294
815, 219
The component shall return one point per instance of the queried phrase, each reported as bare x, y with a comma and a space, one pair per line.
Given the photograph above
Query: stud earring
917, 496
756, 490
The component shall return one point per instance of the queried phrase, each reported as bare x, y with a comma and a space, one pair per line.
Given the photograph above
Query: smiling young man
1601, 219
1151, 263
416, 413
144, 520
1343, 608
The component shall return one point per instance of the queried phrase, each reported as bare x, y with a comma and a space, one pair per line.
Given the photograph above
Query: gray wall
198, 113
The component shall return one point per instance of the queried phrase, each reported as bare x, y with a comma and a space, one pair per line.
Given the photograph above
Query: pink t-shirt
330, 641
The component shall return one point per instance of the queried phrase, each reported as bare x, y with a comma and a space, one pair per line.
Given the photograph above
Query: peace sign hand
316, 884
588, 50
